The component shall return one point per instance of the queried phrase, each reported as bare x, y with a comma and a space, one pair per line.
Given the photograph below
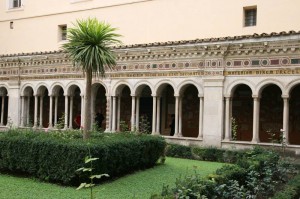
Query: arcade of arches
257, 117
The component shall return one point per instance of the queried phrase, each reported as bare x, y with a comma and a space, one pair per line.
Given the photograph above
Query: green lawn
138, 185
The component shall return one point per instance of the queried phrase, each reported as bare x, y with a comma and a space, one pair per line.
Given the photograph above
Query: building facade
237, 85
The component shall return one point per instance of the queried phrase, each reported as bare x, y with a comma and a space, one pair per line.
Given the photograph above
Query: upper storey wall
35, 24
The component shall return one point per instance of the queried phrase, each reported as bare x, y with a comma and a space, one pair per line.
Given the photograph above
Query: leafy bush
257, 175
291, 190
179, 151
55, 157
208, 154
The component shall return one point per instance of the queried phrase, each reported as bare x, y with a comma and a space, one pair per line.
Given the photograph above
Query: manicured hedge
208, 154
56, 156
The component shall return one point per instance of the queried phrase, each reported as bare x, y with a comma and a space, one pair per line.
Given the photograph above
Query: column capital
66, 95
227, 96
285, 96
255, 97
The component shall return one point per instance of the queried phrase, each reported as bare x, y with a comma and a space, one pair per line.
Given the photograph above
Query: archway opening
271, 114
100, 107
167, 110
145, 110
3, 106
28, 100
190, 112
294, 116
242, 113
125, 109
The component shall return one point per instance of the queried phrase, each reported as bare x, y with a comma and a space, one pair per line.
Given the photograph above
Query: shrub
291, 190
55, 157
257, 175
208, 154
179, 151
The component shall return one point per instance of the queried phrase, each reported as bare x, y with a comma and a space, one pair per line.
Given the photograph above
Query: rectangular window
250, 15
62, 31
15, 3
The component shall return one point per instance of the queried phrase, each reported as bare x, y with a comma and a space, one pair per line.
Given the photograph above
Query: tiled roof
181, 42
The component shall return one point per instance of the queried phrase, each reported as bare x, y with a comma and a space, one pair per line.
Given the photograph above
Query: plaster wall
36, 24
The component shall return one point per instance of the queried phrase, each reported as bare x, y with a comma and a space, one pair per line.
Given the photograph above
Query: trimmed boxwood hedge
55, 156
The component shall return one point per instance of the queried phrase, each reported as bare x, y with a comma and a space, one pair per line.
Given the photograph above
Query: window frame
250, 16
62, 32
14, 4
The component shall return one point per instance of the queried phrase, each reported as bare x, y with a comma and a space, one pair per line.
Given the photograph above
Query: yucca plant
89, 46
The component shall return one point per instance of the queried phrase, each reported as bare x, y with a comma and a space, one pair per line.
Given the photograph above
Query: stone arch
140, 86
117, 89
261, 85
165, 91
161, 85
57, 91
40, 88
183, 85
43, 104
71, 86
54, 88
189, 108
229, 90
289, 87
99, 105
25, 89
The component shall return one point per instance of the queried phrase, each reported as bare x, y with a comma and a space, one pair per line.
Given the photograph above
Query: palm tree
88, 45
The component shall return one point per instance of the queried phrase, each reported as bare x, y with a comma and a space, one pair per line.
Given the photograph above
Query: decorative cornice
174, 44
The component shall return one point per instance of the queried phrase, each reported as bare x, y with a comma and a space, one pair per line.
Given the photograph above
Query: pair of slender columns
25, 111
178, 117
256, 107
69, 114
51, 125
115, 112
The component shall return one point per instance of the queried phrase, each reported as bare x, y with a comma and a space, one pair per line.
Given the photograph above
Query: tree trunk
87, 105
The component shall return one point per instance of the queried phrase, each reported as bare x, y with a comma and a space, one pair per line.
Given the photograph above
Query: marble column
114, 114
2, 110
286, 119
132, 113
180, 117
200, 135
71, 112
55, 111
137, 114
176, 115
66, 111
23, 111
154, 115
41, 111
36, 98
82, 111
27, 110
256, 102
158, 116
227, 119
50, 111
